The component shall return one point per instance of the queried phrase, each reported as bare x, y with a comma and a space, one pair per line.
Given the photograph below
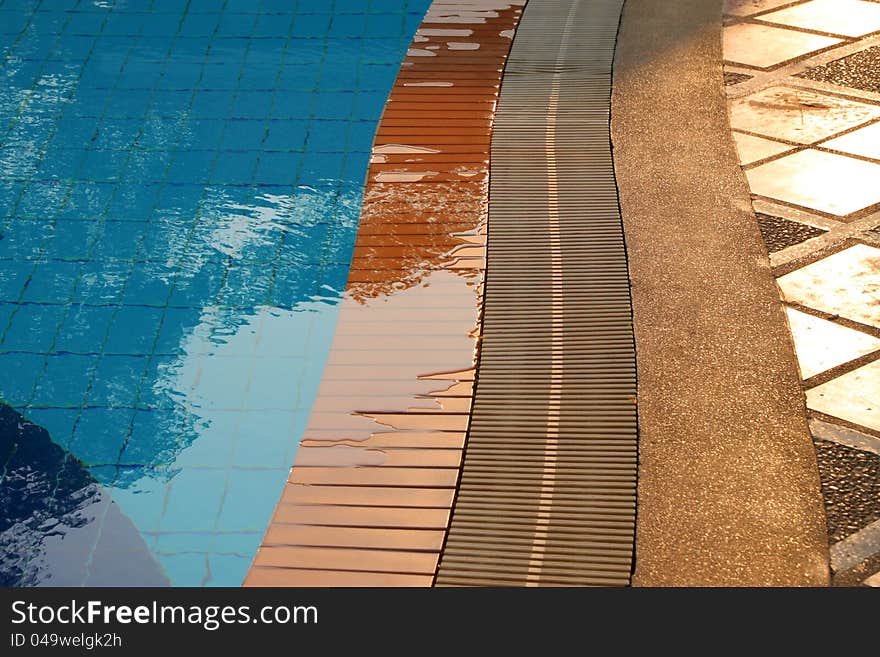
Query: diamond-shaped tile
846, 284
764, 46
821, 345
829, 183
751, 148
847, 17
798, 115
855, 396
749, 7
864, 142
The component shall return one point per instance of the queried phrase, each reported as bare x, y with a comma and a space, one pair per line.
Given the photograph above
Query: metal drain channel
548, 486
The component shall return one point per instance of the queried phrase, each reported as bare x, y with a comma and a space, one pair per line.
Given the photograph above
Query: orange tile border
368, 500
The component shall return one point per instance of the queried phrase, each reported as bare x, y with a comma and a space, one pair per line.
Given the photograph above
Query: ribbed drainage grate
548, 486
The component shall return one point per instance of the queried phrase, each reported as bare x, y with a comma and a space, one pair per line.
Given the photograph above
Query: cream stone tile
751, 148
829, 183
864, 142
846, 284
765, 46
749, 7
821, 345
798, 115
854, 396
847, 17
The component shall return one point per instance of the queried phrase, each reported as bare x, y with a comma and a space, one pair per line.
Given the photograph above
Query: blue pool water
179, 191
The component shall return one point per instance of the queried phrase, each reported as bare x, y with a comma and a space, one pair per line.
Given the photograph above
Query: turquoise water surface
179, 191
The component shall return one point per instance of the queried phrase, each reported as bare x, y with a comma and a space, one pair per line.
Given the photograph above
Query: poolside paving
817, 165
731, 345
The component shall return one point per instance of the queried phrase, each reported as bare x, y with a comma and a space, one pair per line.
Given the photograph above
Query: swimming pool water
180, 183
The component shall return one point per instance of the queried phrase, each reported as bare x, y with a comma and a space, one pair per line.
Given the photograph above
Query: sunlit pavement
803, 86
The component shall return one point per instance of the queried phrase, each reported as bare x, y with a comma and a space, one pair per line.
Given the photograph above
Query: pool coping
369, 496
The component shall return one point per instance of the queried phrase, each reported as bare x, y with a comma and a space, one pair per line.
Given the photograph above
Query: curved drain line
547, 491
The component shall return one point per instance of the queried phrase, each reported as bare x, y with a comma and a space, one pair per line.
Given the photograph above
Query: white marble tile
826, 182
855, 396
751, 148
749, 7
765, 46
864, 142
821, 345
845, 284
798, 115
847, 17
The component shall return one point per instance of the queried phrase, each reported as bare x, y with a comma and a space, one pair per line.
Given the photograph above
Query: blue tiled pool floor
179, 191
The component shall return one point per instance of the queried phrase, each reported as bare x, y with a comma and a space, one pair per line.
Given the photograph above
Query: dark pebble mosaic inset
850, 486
860, 70
779, 233
735, 78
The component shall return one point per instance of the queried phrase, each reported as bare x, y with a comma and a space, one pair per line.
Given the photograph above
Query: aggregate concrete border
729, 491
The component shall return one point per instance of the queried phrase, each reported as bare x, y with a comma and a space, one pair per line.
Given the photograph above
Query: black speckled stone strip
860, 70
548, 485
780, 233
851, 486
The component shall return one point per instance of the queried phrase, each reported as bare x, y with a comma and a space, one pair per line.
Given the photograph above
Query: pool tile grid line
816, 165
368, 499
57, 405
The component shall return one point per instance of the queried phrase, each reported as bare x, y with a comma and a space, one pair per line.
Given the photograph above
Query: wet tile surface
821, 345
864, 142
764, 46
750, 7
383, 446
845, 17
751, 148
846, 284
843, 283
821, 181
854, 396
798, 115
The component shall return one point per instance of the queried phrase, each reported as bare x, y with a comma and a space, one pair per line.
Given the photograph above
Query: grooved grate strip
548, 486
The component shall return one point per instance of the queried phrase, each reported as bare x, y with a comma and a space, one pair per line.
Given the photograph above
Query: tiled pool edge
369, 497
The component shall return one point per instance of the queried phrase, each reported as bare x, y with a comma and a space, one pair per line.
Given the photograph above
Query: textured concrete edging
728, 483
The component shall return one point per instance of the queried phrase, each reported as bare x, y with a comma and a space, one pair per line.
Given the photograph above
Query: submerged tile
854, 397
821, 345
846, 284
765, 46
829, 183
847, 17
798, 115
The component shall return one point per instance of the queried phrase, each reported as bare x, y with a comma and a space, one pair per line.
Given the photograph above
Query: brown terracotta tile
386, 434
415, 563
259, 576
367, 496
355, 537
417, 477
362, 516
